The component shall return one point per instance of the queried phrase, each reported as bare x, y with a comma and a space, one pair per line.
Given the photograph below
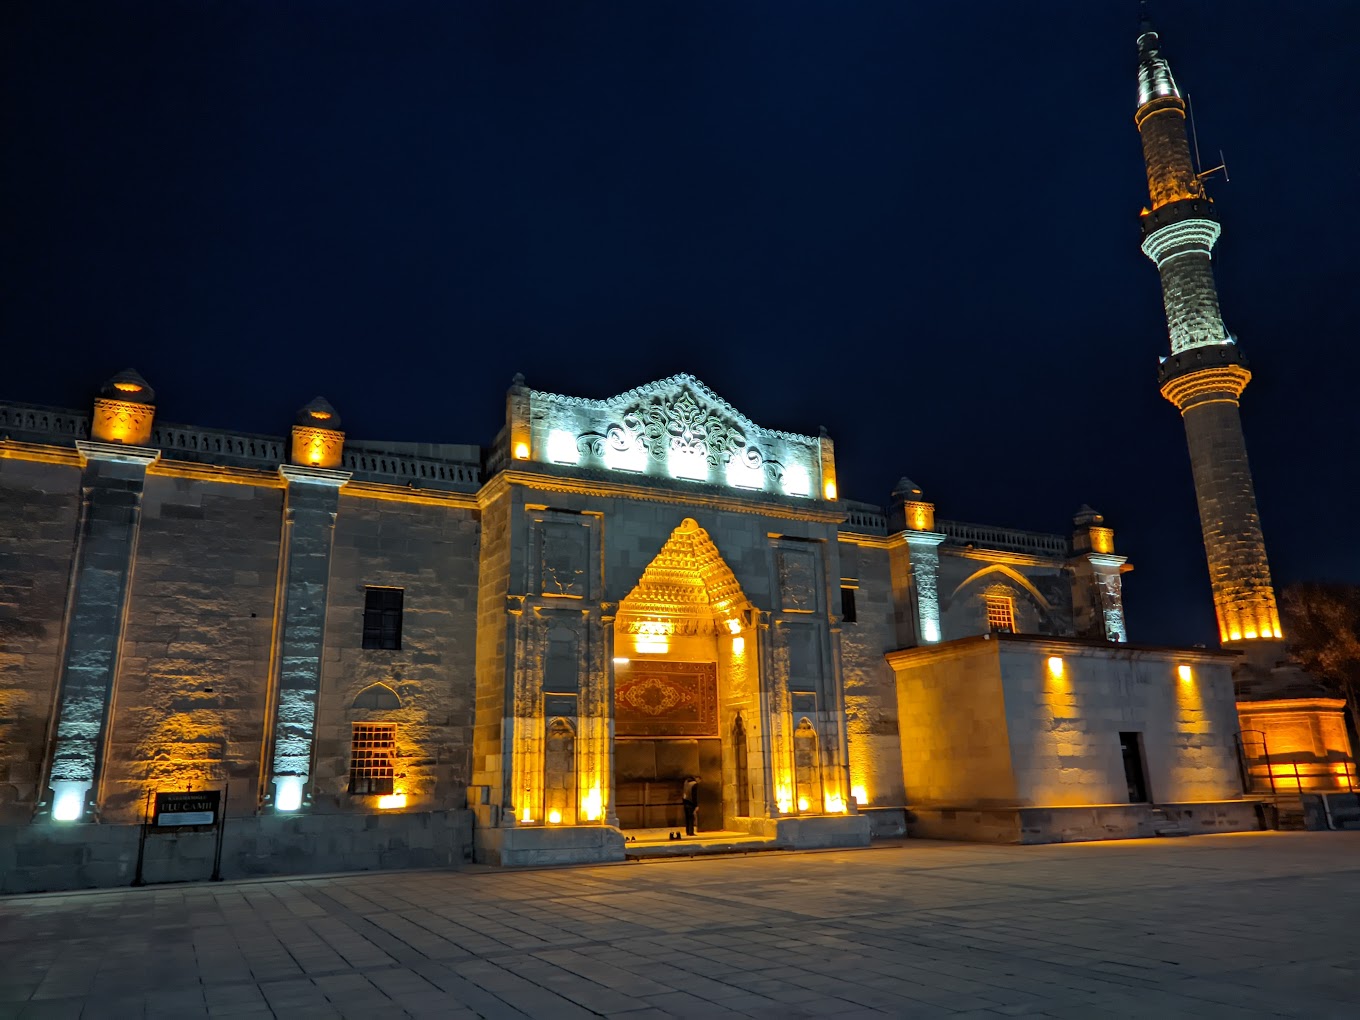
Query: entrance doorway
666, 730
683, 681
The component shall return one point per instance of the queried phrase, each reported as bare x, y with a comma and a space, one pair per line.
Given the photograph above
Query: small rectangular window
1001, 613
382, 617
372, 758
848, 613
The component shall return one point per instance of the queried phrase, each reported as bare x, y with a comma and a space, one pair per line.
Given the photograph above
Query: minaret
1206, 372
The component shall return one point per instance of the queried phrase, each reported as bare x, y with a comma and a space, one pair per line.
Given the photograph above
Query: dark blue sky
915, 224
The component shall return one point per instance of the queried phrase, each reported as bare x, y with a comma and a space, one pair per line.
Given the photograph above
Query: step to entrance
649, 843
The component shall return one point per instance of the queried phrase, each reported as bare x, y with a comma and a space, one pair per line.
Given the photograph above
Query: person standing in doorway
690, 796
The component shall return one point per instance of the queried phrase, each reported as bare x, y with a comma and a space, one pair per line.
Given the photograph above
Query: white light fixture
691, 466
633, 459
68, 799
797, 482
288, 792
562, 447
743, 476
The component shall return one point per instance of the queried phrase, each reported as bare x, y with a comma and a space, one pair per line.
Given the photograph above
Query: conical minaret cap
319, 414
128, 385
906, 488
1154, 73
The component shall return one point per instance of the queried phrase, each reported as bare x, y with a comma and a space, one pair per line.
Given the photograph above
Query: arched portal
684, 670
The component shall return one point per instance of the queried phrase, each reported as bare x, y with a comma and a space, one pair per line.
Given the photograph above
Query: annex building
398, 653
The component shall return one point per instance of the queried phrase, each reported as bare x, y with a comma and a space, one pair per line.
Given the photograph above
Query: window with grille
382, 617
1001, 613
372, 759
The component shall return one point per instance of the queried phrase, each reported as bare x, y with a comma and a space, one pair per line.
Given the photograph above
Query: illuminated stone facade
531, 644
1204, 378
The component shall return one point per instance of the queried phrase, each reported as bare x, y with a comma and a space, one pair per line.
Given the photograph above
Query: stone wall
190, 700
39, 503
1064, 730
871, 715
955, 748
431, 552
49, 856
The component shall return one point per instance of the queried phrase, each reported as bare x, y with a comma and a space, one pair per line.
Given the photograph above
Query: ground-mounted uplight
521, 451
562, 447
1055, 667
830, 490
526, 817
68, 799
797, 481
860, 795
288, 792
1185, 673
554, 817
802, 803
392, 801
835, 804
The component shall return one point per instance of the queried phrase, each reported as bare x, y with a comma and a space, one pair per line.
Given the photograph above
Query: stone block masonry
192, 686
39, 504
48, 857
111, 485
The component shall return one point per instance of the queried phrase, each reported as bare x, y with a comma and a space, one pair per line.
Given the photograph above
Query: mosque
404, 654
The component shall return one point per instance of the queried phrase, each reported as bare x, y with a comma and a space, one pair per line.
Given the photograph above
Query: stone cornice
66, 456
544, 482
296, 473
1043, 644
91, 450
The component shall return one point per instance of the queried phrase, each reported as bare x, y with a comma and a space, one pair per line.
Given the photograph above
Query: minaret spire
1154, 73
1206, 372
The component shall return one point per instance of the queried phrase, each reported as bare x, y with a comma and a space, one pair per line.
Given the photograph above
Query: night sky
915, 224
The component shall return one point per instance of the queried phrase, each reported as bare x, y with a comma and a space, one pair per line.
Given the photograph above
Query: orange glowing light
592, 804
830, 489
521, 451
1185, 673
554, 817
1055, 667
392, 801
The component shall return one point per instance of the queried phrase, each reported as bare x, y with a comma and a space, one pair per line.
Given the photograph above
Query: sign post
178, 811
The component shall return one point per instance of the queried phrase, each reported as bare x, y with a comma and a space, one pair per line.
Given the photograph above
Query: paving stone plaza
1250, 924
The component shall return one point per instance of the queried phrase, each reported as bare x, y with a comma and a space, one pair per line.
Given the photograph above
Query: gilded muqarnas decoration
681, 425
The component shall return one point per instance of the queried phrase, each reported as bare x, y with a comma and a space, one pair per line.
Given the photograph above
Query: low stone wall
1082, 824
50, 856
542, 845
886, 823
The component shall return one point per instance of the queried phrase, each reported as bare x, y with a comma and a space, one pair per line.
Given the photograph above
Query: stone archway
683, 672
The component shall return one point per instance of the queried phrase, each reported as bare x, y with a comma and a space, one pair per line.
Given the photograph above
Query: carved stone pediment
674, 427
